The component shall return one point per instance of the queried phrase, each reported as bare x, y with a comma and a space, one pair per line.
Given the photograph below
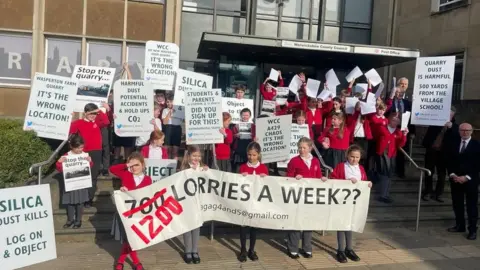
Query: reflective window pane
266, 28
267, 7
332, 10
358, 11
231, 75
232, 5
355, 35
193, 25
198, 3
331, 34
296, 8
102, 54
136, 60
15, 59
295, 30
62, 56
234, 25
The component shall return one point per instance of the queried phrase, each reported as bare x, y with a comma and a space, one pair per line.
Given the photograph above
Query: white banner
187, 80
133, 108
432, 91
185, 200
50, 106
27, 234
234, 106
203, 116
76, 172
158, 169
161, 64
273, 135
297, 132
94, 84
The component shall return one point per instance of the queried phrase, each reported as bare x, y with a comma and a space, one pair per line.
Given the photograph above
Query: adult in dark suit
435, 142
462, 166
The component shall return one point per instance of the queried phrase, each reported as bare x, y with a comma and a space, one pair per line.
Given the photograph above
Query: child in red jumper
154, 148
132, 177
255, 167
89, 128
335, 140
243, 134
302, 166
353, 171
222, 150
267, 90
314, 116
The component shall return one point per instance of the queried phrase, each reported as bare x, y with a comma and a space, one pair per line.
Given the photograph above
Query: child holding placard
243, 133
154, 148
157, 125
74, 199
222, 150
314, 117
335, 140
330, 108
361, 130
267, 87
132, 177
172, 127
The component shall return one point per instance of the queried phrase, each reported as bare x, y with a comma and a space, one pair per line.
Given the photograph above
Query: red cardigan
336, 142
59, 165
390, 141
352, 123
270, 95
145, 151
296, 166
222, 150
375, 124
121, 171
339, 172
261, 169
90, 131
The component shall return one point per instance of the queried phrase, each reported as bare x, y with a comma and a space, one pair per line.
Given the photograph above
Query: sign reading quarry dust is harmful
133, 108
94, 84
50, 106
161, 64
27, 235
273, 135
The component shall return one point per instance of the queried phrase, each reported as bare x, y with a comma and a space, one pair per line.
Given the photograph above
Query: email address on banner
250, 215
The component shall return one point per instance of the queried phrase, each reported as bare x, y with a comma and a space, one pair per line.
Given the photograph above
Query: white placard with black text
188, 79
94, 84
273, 135
76, 172
161, 64
234, 106
297, 132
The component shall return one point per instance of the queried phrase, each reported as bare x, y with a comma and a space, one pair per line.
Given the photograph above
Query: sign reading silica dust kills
273, 135
50, 106
133, 108
27, 235
94, 84
161, 64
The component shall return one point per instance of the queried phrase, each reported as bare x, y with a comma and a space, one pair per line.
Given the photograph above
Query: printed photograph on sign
282, 95
268, 107
76, 172
94, 90
85, 171
244, 130
94, 85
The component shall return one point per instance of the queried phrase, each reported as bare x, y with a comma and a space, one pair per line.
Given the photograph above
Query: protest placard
27, 234
354, 74
94, 84
161, 64
133, 108
369, 106
235, 105
158, 169
50, 106
331, 79
268, 107
76, 172
203, 116
312, 87
297, 132
373, 76
187, 80
350, 103
432, 91
405, 120
273, 135
282, 95
274, 75
295, 84
244, 130
188, 199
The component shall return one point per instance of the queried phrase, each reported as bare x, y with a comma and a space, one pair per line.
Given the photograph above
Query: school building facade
235, 41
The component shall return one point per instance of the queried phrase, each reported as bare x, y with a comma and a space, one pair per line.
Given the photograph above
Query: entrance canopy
300, 52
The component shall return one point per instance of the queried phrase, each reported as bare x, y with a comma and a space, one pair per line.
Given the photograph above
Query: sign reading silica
161, 64
133, 108
94, 84
27, 235
188, 80
50, 106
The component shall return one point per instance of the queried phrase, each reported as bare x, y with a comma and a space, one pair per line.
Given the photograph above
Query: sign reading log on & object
50, 106
161, 64
432, 91
158, 169
203, 116
133, 108
273, 135
76, 172
94, 84
187, 80
297, 132
27, 235
185, 200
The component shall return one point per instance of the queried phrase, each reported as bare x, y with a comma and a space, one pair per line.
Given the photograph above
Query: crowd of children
349, 143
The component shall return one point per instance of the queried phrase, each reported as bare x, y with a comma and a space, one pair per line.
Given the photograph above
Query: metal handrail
328, 169
46, 162
215, 165
420, 184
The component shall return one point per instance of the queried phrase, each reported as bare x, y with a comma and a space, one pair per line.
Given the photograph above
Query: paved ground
397, 248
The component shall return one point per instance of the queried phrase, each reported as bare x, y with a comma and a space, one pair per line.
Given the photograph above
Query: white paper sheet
331, 79
295, 84
374, 77
312, 87
350, 103
361, 88
355, 73
325, 95
273, 75
379, 90
405, 120
369, 106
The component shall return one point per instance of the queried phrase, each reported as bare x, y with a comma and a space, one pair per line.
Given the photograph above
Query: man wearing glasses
463, 169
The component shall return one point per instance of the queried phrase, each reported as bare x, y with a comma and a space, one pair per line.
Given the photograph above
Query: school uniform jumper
173, 129
314, 119
270, 95
338, 145
240, 147
154, 152
345, 171
92, 135
222, 152
361, 133
74, 199
307, 168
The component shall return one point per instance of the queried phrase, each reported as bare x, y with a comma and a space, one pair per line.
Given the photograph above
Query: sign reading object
203, 116
133, 108
273, 135
188, 80
158, 169
185, 200
161, 64
94, 84
27, 235
234, 106
50, 106
432, 91
297, 132
76, 172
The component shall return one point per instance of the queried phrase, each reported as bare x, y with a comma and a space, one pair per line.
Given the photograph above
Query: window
102, 54
136, 60
332, 10
62, 56
358, 11
15, 59
458, 77
193, 25
355, 35
443, 5
331, 34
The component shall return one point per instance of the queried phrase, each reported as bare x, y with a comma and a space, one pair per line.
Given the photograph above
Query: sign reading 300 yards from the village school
50, 106
185, 200
27, 235
161, 64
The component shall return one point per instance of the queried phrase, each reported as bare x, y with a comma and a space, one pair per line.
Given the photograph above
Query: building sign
15, 59
315, 46
62, 56
385, 51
